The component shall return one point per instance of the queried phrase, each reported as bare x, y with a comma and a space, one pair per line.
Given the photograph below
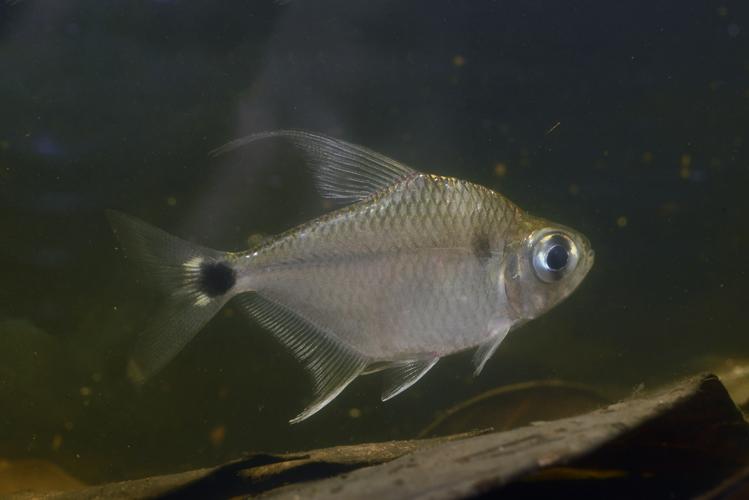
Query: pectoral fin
402, 375
485, 351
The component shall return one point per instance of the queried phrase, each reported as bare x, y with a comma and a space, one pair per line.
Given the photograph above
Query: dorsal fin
343, 171
332, 364
403, 374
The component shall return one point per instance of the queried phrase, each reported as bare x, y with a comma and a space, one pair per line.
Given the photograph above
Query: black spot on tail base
216, 278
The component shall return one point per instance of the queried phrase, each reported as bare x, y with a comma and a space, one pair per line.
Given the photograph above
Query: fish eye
554, 256
557, 258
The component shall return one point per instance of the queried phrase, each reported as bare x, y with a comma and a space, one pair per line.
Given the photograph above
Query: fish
408, 268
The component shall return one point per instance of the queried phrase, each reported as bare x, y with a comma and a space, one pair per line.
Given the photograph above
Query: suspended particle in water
56, 442
217, 435
621, 221
716, 85
573, 189
171, 201
669, 209
354, 413
500, 169
459, 61
685, 166
647, 157
223, 392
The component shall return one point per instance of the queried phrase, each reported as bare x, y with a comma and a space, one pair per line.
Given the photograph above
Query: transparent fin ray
402, 375
331, 364
173, 266
488, 348
178, 321
377, 367
344, 172
157, 254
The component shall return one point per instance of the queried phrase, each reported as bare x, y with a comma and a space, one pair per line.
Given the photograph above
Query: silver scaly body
411, 272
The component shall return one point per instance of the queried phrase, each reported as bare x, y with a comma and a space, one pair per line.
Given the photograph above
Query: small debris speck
722, 11
171, 201
553, 128
459, 61
685, 170
574, 189
85, 391
255, 239
354, 413
56, 442
217, 435
621, 221
500, 169
686, 161
647, 157
669, 209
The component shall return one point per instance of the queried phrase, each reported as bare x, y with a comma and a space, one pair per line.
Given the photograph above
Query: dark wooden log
681, 441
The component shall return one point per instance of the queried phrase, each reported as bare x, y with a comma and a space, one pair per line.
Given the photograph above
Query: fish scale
334, 281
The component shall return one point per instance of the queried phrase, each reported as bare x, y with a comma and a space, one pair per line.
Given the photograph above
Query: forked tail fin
196, 281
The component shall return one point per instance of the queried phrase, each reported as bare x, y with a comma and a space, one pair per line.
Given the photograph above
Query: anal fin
402, 375
332, 364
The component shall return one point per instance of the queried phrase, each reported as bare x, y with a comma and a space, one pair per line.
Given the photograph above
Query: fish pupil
557, 258
216, 278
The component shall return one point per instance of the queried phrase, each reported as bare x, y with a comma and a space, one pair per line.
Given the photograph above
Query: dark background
625, 120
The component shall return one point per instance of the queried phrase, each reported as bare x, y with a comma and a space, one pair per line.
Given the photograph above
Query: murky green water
629, 123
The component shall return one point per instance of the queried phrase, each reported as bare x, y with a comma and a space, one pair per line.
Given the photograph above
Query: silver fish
414, 267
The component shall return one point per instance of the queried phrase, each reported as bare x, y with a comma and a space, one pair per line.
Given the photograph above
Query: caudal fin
196, 282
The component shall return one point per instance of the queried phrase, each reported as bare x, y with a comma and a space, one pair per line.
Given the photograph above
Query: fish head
544, 266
